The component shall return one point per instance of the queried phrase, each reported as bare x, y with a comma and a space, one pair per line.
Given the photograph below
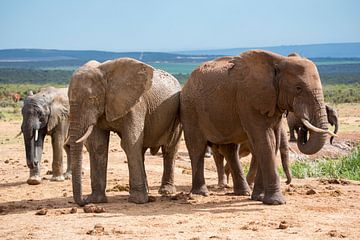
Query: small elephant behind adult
46, 113
244, 150
134, 100
295, 124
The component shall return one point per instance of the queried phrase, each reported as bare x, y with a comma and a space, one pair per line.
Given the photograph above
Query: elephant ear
59, 111
127, 80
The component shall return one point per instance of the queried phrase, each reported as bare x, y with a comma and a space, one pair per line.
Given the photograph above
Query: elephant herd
235, 105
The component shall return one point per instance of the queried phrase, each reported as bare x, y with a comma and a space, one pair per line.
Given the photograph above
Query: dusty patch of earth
315, 209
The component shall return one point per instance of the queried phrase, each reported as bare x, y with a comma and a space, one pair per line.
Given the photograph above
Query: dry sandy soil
315, 209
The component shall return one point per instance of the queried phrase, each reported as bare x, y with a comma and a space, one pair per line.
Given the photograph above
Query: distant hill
328, 50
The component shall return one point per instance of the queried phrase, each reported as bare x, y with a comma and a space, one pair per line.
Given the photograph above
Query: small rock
283, 225
336, 193
48, 172
186, 171
98, 230
42, 211
6, 161
334, 233
92, 208
311, 192
73, 210
46, 161
65, 194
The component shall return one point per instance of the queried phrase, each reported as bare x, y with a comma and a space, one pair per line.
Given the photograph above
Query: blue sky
169, 25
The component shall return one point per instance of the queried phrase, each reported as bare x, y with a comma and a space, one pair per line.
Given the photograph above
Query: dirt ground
315, 209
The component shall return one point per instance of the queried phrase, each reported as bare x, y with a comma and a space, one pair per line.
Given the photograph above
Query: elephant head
332, 117
289, 84
41, 113
101, 90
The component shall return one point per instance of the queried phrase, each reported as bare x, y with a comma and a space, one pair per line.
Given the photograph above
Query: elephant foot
96, 198
34, 180
222, 185
57, 178
67, 175
242, 192
275, 198
257, 196
167, 189
138, 197
202, 190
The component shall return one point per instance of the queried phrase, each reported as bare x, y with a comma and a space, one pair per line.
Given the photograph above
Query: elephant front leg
57, 146
98, 145
264, 151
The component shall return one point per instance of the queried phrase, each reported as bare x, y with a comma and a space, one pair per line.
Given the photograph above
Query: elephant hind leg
169, 153
219, 162
196, 144
231, 154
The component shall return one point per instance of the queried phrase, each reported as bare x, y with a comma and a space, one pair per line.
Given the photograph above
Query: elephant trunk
33, 153
316, 139
76, 154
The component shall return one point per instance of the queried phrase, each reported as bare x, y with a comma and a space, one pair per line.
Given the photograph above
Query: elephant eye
298, 89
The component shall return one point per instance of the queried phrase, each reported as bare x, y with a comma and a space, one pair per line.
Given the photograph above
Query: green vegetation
342, 93
347, 167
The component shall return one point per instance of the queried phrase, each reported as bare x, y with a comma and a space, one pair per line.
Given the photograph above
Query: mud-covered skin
47, 114
140, 104
232, 100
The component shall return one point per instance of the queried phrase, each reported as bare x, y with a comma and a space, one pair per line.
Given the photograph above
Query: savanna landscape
321, 202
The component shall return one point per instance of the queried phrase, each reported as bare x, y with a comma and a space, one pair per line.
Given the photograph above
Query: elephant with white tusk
134, 100
235, 99
46, 113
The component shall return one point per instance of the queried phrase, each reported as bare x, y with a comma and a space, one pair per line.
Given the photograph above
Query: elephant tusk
86, 135
315, 129
36, 135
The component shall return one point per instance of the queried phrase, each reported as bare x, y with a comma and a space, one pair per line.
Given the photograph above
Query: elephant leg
169, 152
57, 142
258, 190
196, 145
66, 146
219, 162
263, 141
284, 154
250, 177
137, 175
98, 145
231, 154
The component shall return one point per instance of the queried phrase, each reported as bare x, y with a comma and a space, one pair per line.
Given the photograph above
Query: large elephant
46, 113
244, 150
295, 124
231, 100
140, 104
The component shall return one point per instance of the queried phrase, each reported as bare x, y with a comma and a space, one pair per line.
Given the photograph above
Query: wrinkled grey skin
259, 86
244, 150
295, 124
46, 112
140, 104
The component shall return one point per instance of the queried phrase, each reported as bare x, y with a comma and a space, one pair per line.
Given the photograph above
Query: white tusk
315, 129
86, 135
36, 135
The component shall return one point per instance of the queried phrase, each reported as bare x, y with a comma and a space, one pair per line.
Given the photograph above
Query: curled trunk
315, 141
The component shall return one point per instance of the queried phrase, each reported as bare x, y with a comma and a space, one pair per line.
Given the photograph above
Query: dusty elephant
244, 150
295, 124
140, 104
231, 100
45, 113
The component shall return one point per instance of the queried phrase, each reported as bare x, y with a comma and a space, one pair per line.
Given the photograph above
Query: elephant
46, 113
244, 150
134, 100
295, 124
234, 99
